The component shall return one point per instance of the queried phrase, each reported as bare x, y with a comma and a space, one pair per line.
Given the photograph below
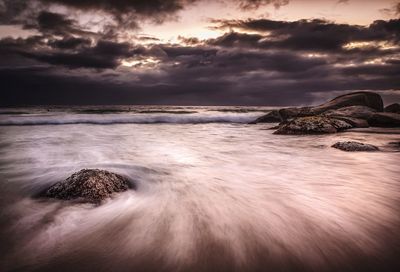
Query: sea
212, 193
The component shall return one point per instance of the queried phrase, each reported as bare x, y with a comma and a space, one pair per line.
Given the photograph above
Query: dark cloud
103, 55
255, 4
126, 13
223, 83
309, 35
391, 28
177, 51
143, 7
148, 38
58, 24
237, 39
49, 20
256, 62
69, 43
154, 7
11, 10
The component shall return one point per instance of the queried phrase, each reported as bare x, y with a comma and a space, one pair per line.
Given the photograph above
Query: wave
116, 111
126, 119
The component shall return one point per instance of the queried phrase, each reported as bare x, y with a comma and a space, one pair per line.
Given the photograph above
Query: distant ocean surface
213, 193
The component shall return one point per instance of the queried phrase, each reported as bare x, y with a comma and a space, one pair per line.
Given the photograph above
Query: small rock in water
355, 146
88, 185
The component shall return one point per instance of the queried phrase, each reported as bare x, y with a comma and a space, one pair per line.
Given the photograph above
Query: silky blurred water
210, 196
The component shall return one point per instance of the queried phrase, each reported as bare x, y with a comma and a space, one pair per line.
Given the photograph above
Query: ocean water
213, 193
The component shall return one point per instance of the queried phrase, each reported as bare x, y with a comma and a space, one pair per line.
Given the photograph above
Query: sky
197, 52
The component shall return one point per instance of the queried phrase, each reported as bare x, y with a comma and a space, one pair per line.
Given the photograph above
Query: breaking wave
63, 119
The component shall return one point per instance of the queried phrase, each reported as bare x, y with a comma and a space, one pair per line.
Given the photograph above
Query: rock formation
366, 100
384, 119
394, 108
354, 110
312, 125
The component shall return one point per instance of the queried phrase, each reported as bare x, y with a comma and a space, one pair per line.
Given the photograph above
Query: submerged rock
312, 125
88, 185
384, 119
394, 108
355, 146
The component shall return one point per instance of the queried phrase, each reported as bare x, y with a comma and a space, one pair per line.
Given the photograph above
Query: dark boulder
354, 146
361, 101
395, 145
312, 125
359, 112
354, 122
289, 113
88, 185
384, 119
367, 99
394, 108
356, 116
271, 117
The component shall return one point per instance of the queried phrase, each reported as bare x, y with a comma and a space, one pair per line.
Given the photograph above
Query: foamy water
210, 196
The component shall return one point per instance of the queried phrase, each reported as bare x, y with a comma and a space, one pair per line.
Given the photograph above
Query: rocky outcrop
289, 113
88, 185
384, 119
362, 100
354, 110
356, 116
271, 117
312, 125
358, 112
354, 122
355, 146
394, 108
394, 145
367, 99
